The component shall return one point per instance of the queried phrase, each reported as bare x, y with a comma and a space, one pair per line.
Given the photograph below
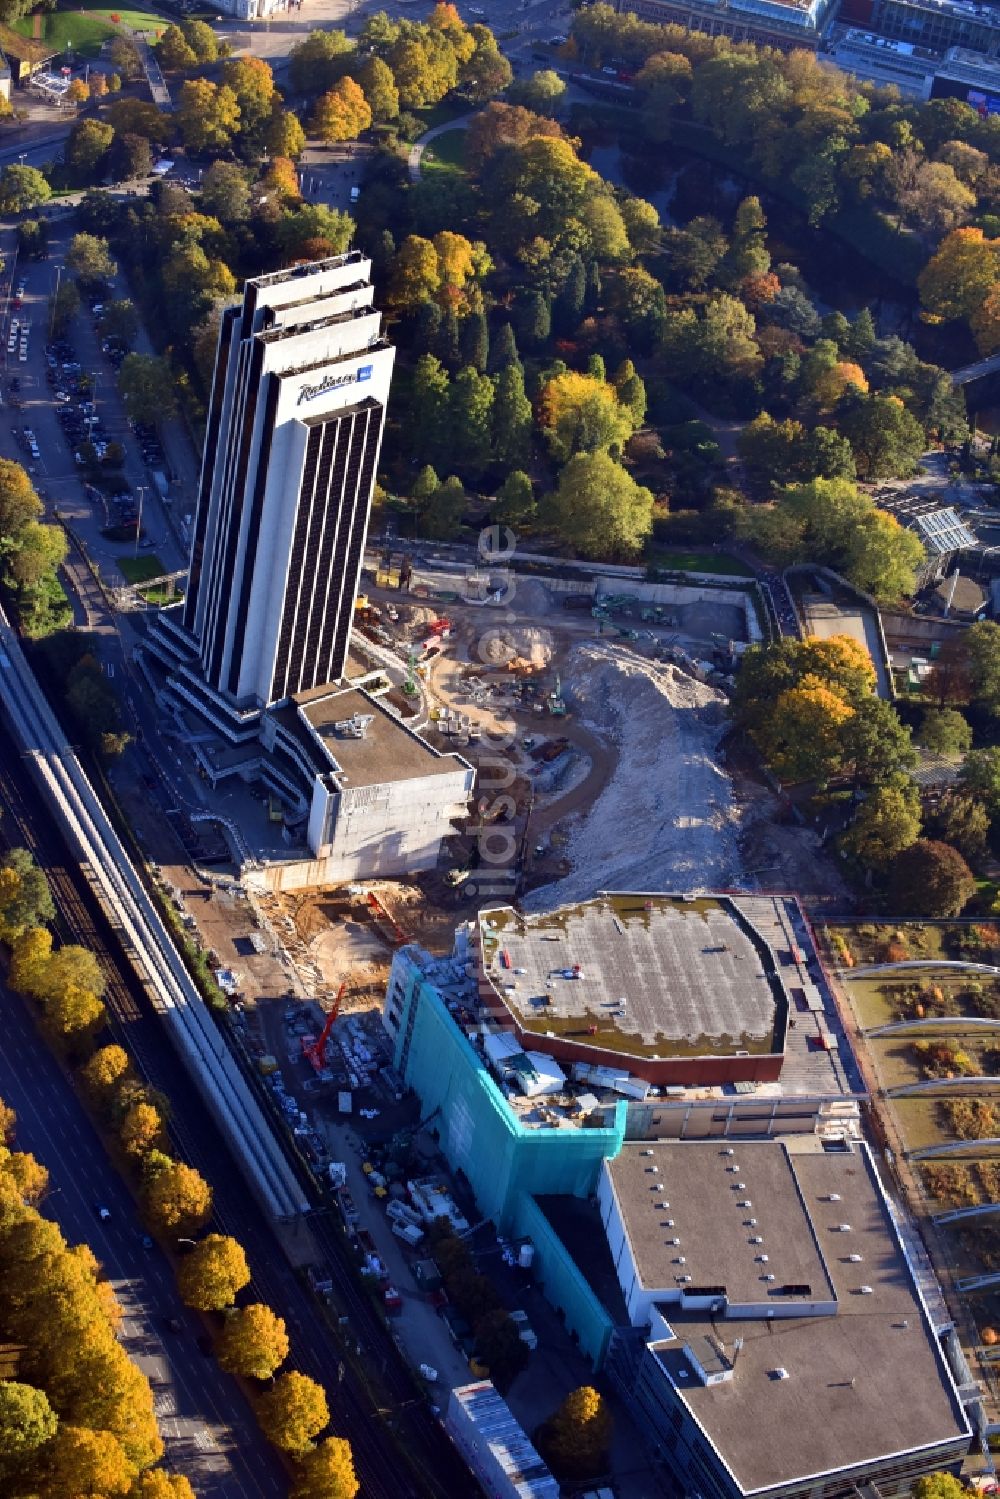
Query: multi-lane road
208, 1428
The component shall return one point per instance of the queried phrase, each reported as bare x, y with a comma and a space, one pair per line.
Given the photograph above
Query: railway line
141, 931
135, 1020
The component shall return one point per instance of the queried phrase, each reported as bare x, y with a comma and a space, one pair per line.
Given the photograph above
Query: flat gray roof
861, 1385
691, 978
707, 1187
388, 752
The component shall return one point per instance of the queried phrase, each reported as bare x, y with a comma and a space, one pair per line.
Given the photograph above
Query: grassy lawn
695, 562
141, 569
441, 114
87, 26
446, 153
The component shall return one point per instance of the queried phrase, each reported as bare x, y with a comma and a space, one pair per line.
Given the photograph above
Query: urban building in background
771, 23
262, 675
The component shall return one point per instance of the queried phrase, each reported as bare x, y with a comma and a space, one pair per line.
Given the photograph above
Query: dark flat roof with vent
859, 1386
716, 1235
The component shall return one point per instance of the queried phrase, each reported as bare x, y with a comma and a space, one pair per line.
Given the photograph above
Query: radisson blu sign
335, 382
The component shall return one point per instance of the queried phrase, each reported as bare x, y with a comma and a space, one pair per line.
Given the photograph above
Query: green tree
542, 92
886, 438
982, 650
631, 392
441, 514
511, 417
22, 188
87, 149
120, 321
225, 192
212, 1275
326, 1471
499, 1346
178, 1200
208, 115
980, 776
25, 897
930, 879
962, 820
293, 1412
533, 318
577, 1438
887, 821
147, 387
64, 304
27, 1421
380, 90
318, 60
470, 411
599, 509
875, 742
253, 1342
174, 52
129, 157
202, 40
89, 259
33, 239
944, 731
515, 501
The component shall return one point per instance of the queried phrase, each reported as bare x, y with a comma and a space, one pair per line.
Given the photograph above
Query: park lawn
696, 562
442, 113
141, 569
445, 154
86, 28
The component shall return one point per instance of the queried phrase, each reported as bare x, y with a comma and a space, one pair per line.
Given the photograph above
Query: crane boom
315, 1051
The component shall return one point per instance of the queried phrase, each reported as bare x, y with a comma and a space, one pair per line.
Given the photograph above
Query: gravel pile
667, 820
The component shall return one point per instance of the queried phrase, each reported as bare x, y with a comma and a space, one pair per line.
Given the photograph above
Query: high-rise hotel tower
257, 671
295, 424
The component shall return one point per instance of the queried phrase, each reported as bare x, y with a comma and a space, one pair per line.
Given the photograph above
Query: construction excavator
315, 1051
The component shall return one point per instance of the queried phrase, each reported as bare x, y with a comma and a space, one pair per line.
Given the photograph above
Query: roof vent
865, 1291
842, 1228
740, 1187
855, 1259
673, 1241
761, 1259
729, 1151
833, 1197
669, 1223
751, 1222
646, 1152
680, 1260
756, 1239
682, 1373
746, 1203
733, 1167
779, 1373
684, 1280
655, 1170
768, 1276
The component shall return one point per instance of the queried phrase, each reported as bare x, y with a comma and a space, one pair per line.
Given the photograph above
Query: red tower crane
315, 1051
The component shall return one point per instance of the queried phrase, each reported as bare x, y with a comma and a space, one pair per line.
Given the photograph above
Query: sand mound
666, 821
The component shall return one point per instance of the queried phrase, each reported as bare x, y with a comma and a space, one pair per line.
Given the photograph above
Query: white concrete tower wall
283, 503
